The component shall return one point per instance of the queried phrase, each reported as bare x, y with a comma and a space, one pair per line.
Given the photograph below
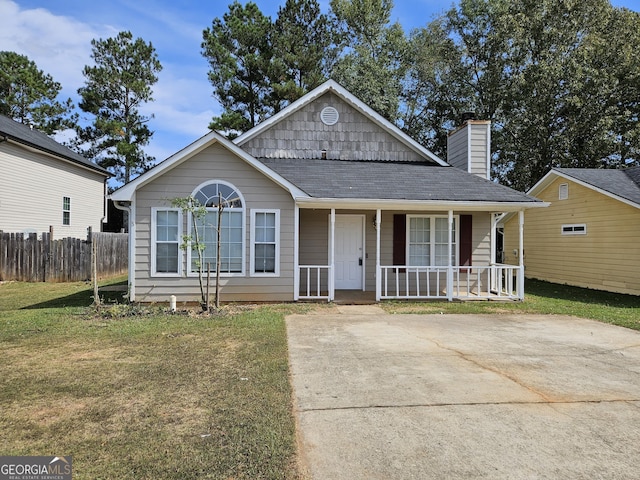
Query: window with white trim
166, 233
265, 242
574, 229
563, 191
428, 241
232, 245
66, 210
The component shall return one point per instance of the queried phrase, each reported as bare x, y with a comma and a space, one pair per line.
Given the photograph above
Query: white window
66, 210
428, 241
575, 229
563, 191
265, 243
166, 233
232, 230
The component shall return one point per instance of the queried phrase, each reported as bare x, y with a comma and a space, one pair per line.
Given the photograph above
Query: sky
57, 34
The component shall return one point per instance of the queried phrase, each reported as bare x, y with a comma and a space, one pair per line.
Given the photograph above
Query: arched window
232, 247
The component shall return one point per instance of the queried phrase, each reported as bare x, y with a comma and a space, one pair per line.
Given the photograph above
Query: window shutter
399, 239
466, 239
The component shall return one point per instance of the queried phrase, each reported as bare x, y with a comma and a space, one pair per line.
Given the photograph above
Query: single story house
323, 197
45, 185
590, 235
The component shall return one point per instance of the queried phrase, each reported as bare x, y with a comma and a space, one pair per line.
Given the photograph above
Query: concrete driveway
464, 396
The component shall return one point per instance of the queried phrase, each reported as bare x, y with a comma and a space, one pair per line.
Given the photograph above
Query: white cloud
59, 45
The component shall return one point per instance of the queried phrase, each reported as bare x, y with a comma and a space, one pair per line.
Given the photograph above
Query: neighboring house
45, 185
326, 195
589, 236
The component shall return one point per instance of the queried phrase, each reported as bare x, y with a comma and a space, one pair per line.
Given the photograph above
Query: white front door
349, 252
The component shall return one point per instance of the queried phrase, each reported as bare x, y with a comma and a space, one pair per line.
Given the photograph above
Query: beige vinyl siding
606, 258
32, 187
215, 163
481, 238
457, 149
354, 137
468, 148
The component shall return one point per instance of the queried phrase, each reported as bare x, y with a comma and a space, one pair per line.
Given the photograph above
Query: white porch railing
413, 282
474, 282
405, 282
314, 282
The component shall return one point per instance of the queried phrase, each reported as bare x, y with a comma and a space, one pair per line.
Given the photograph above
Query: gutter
416, 205
129, 208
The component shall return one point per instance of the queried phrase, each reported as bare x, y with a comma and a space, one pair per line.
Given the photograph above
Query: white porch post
333, 255
493, 274
521, 256
378, 270
296, 253
449, 265
494, 228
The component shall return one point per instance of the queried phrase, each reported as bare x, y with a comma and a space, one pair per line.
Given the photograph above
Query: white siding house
45, 185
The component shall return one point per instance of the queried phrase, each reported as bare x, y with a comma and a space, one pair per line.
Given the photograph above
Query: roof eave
32, 146
416, 205
548, 179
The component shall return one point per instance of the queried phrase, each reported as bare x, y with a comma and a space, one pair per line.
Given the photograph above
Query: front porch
324, 271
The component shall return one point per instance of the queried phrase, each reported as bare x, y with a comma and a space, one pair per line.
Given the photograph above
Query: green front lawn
148, 396
543, 298
138, 393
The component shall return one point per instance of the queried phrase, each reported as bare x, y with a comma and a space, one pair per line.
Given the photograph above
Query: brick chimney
469, 146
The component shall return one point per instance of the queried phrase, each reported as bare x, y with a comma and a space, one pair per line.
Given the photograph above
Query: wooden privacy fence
27, 258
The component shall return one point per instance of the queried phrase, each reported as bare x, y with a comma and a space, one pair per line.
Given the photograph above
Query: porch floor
354, 297
358, 297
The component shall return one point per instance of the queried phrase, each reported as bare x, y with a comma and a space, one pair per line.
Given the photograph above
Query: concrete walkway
464, 396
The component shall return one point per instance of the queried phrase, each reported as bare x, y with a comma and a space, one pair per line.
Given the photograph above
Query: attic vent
329, 116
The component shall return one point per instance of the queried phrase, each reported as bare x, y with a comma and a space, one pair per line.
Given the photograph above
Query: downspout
129, 208
105, 206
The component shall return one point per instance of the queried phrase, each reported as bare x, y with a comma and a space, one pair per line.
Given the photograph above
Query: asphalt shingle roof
390, 181
624, 183
28, 136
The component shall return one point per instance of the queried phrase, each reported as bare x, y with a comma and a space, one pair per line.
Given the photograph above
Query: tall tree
304, 49
554, 76
238, 48
115, 88
28, 95
374, 64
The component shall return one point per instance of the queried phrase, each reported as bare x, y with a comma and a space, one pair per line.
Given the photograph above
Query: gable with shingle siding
303, 135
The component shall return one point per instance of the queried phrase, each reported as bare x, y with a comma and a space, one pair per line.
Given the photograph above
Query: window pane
265, 258
442, 230
167, 257
419, 241
441, 255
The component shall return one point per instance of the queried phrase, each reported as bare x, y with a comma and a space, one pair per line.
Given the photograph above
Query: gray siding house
44, 184
323, 197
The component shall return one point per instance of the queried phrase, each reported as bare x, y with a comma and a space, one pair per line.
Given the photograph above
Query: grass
543, 298
139, 393
150, 395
